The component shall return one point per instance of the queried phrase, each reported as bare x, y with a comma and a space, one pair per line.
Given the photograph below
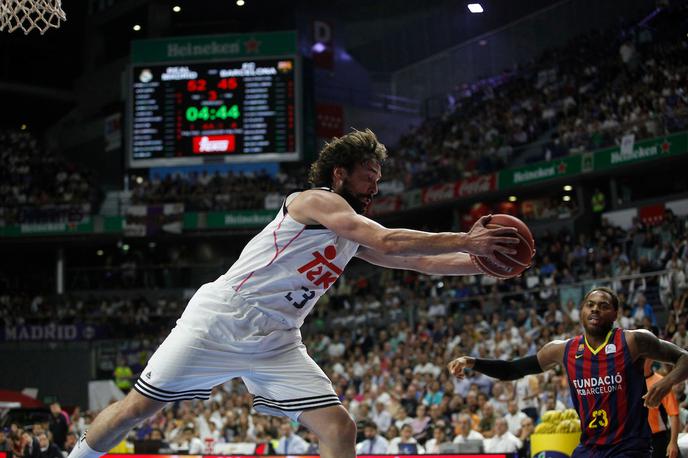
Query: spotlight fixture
475, 8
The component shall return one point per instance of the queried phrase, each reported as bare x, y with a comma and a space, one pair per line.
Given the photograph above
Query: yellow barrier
559, 445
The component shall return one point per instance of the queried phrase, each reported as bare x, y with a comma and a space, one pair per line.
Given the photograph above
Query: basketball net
30, 15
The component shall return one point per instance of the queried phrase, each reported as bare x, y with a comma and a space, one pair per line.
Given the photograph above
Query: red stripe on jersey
278, 250
621, 397
604, 404
571, 369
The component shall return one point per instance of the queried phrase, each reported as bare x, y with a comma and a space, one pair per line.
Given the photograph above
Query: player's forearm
446, 264
675, 428
407, 242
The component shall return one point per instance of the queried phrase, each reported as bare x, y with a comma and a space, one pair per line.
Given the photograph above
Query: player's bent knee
137, 407
332, 425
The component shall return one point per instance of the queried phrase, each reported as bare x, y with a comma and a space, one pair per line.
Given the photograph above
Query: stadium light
176, 8
475, 8
136, 27
568, 187
99, 253
512, 198
240, 2
566, 198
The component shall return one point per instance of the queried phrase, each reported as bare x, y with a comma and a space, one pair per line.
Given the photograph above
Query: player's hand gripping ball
503, 265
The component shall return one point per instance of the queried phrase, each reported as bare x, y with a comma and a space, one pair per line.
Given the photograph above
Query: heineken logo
211, 48
640, 152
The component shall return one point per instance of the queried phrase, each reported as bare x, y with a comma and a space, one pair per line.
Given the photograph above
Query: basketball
507, 266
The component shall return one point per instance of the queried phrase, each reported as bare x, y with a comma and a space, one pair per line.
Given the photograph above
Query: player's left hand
672, 450
656, 393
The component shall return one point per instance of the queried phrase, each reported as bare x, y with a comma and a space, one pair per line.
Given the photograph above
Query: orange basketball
507, 266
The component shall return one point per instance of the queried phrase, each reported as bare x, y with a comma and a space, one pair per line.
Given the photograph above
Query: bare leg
114, 422
335, 429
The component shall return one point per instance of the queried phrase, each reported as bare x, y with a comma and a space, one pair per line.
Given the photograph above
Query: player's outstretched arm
547, 358
439, 264
644, 344
332, 211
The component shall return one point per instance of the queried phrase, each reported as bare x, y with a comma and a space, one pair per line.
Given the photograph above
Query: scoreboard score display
221, 111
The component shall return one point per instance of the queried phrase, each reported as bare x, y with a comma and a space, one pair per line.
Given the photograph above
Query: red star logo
666, 146
562, 167
251, 45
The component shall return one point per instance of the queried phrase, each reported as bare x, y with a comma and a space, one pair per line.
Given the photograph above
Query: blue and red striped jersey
607, 389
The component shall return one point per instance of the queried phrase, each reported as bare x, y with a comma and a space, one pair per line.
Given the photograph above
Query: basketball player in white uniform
246, 323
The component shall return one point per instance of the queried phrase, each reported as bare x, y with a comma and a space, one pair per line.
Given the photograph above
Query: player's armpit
552, 354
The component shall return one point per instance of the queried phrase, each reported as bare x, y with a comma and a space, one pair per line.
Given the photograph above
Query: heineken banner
541, 171
239, 219
210, 47
646, 150
630, 152
85, 226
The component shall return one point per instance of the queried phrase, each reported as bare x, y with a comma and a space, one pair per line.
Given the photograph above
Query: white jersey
284, 269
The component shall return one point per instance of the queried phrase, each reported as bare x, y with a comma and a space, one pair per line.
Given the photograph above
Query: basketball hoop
30, 15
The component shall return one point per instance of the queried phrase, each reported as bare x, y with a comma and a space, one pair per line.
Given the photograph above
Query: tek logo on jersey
320, 271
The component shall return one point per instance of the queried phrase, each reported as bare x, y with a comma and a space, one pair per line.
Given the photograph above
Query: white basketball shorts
220, 337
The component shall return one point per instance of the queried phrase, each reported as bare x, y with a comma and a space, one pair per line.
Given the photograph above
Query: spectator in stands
47, 448
59, 425
187, 441
502, 440
464, 431
374, 443
289, 442
514, 417
70, 442
439, 437
524, 433
381, 416
123, 375
5, 444
405, 444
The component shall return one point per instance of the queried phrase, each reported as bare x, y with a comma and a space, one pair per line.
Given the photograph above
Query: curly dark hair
353, 148
609, 291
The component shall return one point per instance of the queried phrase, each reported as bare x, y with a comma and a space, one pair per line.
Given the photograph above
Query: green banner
210, 47
43, 229
645, 150
239, 219
541, 171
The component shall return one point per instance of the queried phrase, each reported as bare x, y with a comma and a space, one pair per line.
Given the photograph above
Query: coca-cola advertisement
385, 204
476, 185
438, 192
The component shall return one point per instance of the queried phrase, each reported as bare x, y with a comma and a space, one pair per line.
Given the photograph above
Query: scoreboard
220, 111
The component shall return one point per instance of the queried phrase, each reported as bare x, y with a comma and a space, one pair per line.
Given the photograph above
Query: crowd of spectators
37, 186
581, 97
220, 192
392, 377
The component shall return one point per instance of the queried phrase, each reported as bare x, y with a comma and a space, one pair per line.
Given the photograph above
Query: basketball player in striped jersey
246, 323
604, 366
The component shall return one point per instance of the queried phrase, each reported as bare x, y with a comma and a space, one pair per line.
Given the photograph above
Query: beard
356, 203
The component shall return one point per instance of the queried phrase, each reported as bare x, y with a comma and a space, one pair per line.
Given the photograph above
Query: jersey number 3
599, 419
307, 296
